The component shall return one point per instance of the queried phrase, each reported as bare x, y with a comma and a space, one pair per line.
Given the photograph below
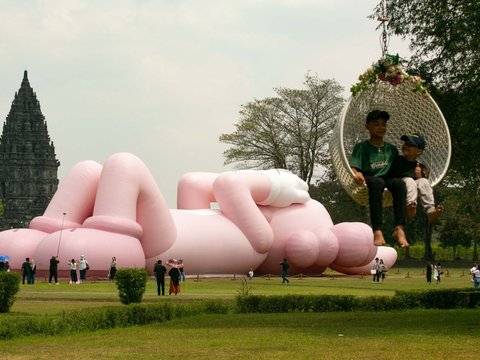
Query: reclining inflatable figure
263, 217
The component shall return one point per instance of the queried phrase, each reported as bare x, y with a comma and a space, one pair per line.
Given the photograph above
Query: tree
454, 235
340, 206
444, 38
290, 131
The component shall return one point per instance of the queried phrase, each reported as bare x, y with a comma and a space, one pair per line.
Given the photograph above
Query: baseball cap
415, 139
377, 114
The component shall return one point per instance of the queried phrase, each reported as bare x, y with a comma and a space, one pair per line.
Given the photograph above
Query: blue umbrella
4, 258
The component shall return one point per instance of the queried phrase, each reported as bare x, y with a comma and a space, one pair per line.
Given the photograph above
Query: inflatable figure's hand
286, 189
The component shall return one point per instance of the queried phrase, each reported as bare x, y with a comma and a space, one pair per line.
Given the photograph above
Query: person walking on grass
285, 266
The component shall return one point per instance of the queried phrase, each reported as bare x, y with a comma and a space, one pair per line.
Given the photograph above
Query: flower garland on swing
388, 69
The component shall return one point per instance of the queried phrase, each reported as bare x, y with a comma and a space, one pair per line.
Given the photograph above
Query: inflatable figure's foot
19, 244
400, 237
98, 246
435, 214
378, 238
411, 211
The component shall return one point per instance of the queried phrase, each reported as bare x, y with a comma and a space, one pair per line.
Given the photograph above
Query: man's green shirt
372, 160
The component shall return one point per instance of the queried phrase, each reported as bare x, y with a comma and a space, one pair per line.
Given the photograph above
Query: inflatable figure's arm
195, 190
285, 189
240, 193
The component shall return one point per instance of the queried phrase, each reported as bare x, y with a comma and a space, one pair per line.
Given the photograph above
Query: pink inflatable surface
262, 217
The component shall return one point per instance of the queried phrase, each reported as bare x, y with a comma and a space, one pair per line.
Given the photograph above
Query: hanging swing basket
411, 111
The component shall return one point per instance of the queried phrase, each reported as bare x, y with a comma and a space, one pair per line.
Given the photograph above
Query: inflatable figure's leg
356, 246
357, 251
129, 202
74, 197
386, 253
195, 190
129, 209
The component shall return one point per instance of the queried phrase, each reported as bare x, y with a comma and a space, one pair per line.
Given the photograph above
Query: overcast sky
163, 79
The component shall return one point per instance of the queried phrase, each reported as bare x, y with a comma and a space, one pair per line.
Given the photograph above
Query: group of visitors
379, 269
5, 266
82, 266
475, 272
436, 270
176, 274
29, 269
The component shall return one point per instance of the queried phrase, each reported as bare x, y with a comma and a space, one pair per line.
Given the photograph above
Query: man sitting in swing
371, 161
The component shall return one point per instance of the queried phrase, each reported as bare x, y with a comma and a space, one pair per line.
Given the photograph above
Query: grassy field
43, 297
414, 334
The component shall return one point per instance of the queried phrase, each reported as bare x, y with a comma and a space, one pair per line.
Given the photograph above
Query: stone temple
28, 164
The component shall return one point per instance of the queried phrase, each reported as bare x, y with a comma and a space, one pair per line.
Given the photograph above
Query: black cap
377, 114
415, 139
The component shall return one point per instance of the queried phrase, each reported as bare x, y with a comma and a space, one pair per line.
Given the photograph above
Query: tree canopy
444, 38
289, 131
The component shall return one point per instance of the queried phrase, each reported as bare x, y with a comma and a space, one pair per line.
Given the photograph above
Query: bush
434, 299
424, 299
9, 286
131, 284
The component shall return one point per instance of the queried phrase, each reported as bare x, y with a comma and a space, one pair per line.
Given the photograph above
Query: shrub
131, 284
216, 307
9, 286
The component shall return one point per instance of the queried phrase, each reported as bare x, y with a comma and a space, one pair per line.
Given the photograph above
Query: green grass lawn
414, 334
43, 297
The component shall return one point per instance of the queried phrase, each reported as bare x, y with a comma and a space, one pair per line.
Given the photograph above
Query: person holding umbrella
4, 259
174, 274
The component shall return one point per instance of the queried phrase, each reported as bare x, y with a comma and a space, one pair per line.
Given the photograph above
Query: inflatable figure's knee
356, 246
19, 244
309, 248
114, 224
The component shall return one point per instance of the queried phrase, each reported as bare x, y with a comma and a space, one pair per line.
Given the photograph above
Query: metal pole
60, 237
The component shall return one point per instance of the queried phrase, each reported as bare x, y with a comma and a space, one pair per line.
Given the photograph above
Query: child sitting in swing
415, 174
370, 162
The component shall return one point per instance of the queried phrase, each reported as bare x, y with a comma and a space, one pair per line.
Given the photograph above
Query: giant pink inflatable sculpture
263, 217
